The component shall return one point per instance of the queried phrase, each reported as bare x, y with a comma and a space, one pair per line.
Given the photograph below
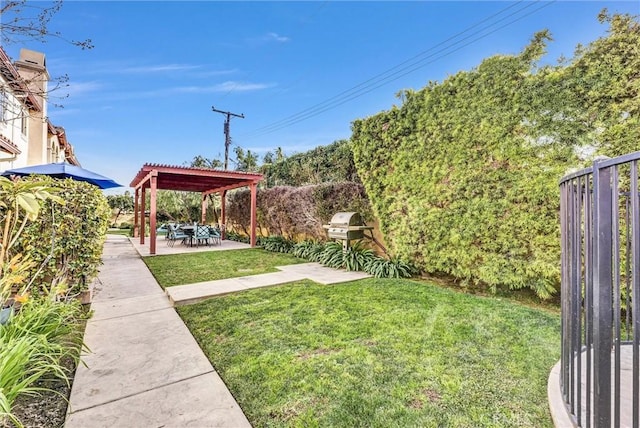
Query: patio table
189, 230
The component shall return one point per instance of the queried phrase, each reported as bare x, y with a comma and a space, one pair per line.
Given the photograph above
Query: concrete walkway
191, 293
144, 368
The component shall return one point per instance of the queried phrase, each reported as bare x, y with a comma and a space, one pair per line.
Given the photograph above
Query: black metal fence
600, 233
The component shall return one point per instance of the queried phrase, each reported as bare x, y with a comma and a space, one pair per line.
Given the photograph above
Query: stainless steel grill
346, 226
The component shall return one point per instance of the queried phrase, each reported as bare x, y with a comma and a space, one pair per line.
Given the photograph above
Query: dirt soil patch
48, 409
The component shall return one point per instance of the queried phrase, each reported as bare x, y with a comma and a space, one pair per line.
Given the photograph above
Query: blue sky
300, 72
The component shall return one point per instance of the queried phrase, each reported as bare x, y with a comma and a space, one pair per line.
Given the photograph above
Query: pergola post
223, 214
143, 220
136, 209
152, 215
254, 193
203, 217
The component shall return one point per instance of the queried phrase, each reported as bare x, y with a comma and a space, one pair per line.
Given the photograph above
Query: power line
406, 67
354, 88
387, 77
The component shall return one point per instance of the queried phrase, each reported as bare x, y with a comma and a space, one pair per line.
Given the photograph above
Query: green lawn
181, 269
379, 353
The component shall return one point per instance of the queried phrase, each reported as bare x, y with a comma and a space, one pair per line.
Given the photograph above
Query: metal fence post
602, 334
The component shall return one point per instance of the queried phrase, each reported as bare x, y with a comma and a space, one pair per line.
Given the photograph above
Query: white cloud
68, 93
54, 114
276, 38
213, 73
225, 87
270, 37
79, 88
160, 68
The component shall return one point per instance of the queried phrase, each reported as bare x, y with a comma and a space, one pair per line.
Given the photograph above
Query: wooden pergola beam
230, 187
202, 180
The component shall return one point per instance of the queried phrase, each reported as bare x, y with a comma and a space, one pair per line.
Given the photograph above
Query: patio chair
202, 234
174, 234
215, 236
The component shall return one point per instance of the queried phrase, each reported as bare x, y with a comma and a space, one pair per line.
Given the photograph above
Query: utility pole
227, 137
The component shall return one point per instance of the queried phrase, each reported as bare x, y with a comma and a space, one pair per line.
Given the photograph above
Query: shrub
305, 249
331, 255
354, 258
33, 344
463, 174
38, 333
68, 238
295, 212
234, 236
393, 268
277, 244
330, 163
20, 204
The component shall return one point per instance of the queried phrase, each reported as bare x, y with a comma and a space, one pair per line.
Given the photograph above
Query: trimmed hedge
463, 176
295, 212
331, 163
78, 230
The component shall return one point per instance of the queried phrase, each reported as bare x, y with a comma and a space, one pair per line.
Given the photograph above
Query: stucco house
27, 137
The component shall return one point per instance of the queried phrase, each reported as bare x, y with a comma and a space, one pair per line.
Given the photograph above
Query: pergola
203, 180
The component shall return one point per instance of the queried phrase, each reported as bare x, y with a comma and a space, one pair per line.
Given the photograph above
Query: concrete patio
163, 248
559, 411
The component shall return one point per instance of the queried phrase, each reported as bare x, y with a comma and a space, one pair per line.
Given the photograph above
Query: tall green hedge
463, 175
77, 230
293, 212
330, 163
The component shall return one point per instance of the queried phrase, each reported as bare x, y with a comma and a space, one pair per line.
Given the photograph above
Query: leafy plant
74, 234
20, 368
277, 244
356, 257
305, 249
353, 259
32, 346
20, 204
332, 255
393, 268
315, 252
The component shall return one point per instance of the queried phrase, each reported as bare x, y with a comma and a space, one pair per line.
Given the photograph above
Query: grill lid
346, 219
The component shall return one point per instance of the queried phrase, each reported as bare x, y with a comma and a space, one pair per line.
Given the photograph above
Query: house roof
15, 82
190, 179
7, 146
60, 132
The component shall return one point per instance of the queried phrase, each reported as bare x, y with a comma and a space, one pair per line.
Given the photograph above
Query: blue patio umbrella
65, 170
